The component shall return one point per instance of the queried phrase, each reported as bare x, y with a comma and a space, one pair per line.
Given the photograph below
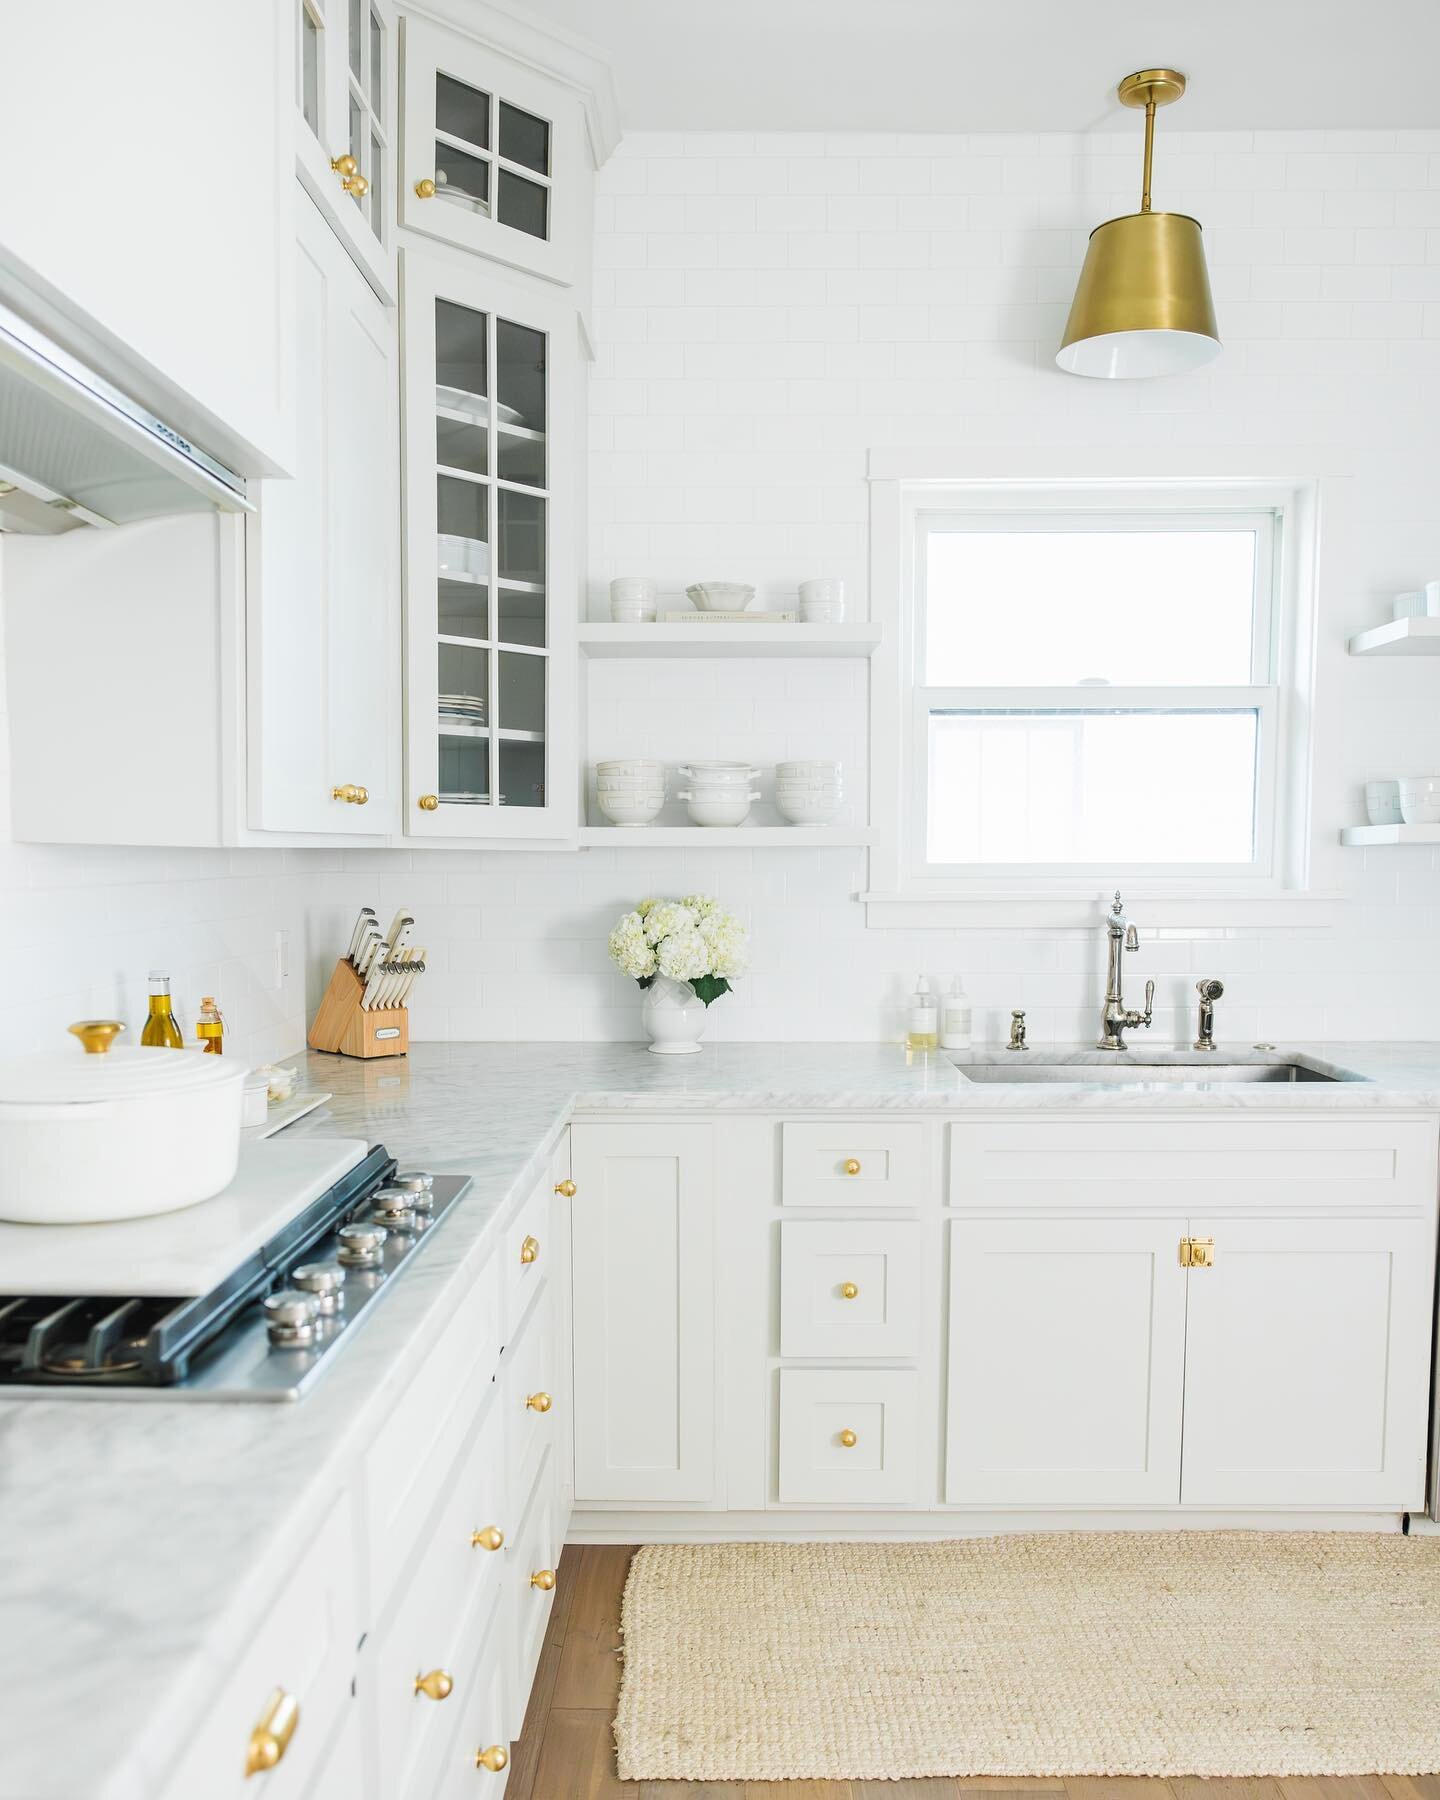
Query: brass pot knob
530, 1250
437, 1685
852, 1167
848, 1290
428, 802
350, 794
272, 1734
493, 1757
540, 1402
96, 1035
489, 1537
848, 1438
567, 1188
425, 188
544, 1579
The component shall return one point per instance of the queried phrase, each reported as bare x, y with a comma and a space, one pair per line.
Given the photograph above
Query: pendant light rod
1149, 155
1150, 88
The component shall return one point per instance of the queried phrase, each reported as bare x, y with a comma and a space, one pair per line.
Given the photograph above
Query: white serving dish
117, 1135
1420, 799
1382, 803
718, 809
720, 596
630, 809
808, 809
465, 556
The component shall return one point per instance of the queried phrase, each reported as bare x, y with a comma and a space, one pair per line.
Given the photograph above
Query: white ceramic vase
673, 1016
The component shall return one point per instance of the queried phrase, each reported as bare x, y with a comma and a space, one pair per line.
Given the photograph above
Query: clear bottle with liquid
210, 1027
923, 1032
955, 1018
162, 1028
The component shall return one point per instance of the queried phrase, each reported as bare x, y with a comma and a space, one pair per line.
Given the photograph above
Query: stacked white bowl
822, 601
633, 600
630, 790
808, 793
719, 792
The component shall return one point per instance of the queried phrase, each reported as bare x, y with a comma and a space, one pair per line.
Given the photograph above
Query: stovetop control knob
419, 1185
393, 1206
290, 1318
362, 1246
326, 1281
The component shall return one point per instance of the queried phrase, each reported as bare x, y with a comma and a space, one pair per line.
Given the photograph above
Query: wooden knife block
342, 1025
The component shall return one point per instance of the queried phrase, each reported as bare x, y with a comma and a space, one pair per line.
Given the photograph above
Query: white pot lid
72, 1077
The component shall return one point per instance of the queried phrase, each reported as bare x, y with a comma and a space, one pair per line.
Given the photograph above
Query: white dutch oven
116, 1134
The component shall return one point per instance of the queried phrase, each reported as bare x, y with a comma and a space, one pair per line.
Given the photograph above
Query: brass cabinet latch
1197, 1253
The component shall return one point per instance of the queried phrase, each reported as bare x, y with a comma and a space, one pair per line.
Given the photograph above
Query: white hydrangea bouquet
693, 940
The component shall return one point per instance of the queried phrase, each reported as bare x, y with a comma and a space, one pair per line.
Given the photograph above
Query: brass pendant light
1142, 306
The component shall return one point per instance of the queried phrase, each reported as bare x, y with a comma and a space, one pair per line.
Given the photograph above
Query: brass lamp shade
1143, 303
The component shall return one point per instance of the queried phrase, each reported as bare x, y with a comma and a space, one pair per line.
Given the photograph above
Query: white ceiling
1007, 65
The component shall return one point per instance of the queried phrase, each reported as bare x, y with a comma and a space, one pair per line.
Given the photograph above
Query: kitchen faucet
1209, 991
1120, 935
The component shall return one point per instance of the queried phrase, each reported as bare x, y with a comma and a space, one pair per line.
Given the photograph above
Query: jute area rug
1116, 1653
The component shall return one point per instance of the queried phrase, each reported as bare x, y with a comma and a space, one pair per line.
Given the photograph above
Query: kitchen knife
397, 924
357, 936
373, 984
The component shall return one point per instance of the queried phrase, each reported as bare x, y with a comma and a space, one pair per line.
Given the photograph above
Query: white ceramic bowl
1382, 803
721, 596
720, 774
630, 809
630, 765
634, 587
1420, 799
633, 600
728, 809
824, 590
808, 809
818, 766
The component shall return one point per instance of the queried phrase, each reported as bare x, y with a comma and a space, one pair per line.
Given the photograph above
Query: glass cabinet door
492, 155
490, 378
346, 91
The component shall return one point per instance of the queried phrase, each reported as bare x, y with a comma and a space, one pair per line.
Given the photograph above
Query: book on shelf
731, 618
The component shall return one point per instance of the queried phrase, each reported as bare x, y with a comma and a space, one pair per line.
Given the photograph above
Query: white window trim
906, 485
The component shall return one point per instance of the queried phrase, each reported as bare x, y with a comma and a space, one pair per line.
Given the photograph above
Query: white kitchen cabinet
496, 159
849, 1289
849, 1437
642, 1224
148, 214
346, 97
1301, 1376
323, 620
1066, 1362
491, 395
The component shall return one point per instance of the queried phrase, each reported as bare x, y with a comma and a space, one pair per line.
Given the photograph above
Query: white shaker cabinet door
644, 1273
1302, 1385
323, 619
1067, 1362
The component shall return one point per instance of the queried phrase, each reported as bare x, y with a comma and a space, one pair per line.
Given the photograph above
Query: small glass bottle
924, 1030
210, 1027
955, 1018
162, 1028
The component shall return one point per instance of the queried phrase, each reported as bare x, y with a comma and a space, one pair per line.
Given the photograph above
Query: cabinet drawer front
481, 1723
529, 1371
422, 1435
305, 1645
536, 1552
821, 1409
849, 1288
852, 1164
525, 1248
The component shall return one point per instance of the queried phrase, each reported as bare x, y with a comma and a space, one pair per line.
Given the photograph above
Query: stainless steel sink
1027, 1068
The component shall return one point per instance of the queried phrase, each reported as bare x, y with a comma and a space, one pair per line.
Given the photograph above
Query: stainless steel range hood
76, 451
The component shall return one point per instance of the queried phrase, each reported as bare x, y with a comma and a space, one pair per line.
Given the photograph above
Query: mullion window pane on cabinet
524, 139
357, 36
309, 68
377, 66
462, 111
521, 538
524, 205
462, 179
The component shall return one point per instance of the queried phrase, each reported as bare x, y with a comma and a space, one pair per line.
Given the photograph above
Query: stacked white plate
719, 792
808, 793
630, 790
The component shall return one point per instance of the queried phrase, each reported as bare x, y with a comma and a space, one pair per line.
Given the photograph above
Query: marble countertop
133, 1528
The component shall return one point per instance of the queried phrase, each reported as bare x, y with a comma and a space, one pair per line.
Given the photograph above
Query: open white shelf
1401, 637
729, 640
1390, 834
721, 837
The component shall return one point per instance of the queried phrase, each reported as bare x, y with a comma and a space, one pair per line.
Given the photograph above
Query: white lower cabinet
848, 1436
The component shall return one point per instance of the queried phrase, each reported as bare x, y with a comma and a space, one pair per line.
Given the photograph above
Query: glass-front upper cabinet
495, 158
347, 88
491, 433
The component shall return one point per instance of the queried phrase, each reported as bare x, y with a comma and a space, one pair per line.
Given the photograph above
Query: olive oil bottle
162, 1028
210, 1027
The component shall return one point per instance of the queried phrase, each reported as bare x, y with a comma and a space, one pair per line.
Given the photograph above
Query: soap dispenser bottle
924, 1028
955, 1018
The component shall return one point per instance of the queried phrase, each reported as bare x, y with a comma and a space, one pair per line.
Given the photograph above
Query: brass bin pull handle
272, 1734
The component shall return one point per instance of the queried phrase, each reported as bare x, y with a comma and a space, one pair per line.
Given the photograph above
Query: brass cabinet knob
848, 1438
425, 188
350, 794
493, 1757
428, 802
530, 1250
272, 1734
489, 1537
851, 1166
544, 1579
567, 1188
351, 179
540, 1402
848, 1290
437, 1685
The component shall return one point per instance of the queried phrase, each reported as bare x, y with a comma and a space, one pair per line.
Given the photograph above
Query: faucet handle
1149, 1000
1132, 938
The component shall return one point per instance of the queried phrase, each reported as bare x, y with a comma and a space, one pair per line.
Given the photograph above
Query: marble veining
134, 1530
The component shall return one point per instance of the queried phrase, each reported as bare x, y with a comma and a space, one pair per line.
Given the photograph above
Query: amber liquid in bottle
162, 1029
210, 1028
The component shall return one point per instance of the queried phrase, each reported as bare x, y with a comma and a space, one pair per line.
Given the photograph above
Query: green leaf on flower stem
644, 981
710, 987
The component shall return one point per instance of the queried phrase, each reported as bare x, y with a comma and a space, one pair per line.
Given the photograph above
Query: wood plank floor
566, 1751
